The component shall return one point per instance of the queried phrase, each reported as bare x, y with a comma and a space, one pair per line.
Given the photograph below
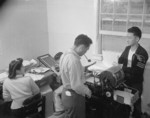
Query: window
116, 16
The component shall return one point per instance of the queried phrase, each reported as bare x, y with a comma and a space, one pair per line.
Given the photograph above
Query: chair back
34, 107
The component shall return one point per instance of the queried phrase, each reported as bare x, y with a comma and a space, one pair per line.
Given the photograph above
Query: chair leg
43, 106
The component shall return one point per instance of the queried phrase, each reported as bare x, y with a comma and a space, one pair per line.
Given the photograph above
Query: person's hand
89, 93
140, 58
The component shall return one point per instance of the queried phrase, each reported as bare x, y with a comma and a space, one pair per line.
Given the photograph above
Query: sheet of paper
27, 62
39, 70
3, 76
35, 77
92, 80
33, 61
98, 67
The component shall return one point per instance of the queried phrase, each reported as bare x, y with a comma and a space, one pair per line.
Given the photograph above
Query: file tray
47, 60
126, 96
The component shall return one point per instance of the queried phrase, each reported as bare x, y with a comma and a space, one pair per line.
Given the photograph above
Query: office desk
47, 91
48, 76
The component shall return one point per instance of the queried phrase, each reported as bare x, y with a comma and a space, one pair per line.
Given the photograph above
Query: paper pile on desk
39, 70
92, 80
31, 62
98, 67
35, 77
3, 76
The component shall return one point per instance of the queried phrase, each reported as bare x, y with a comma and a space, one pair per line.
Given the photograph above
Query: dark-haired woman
18, 87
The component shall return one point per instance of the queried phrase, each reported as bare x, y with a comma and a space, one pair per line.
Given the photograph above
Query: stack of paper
3, 76
35, 77
98, 67
92, 80
31, 62
39, 70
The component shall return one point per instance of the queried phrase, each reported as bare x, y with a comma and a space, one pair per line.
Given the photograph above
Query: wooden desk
47, 92
48, 76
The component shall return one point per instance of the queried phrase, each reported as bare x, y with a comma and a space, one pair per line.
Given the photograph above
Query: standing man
134, 59
72, 74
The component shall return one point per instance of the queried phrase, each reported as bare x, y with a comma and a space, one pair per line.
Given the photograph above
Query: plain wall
66, 20
23, 30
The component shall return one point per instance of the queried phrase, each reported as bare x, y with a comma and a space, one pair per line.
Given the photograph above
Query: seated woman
18, 87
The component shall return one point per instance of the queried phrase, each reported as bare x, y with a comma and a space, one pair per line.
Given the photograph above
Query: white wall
23, 30
66, 20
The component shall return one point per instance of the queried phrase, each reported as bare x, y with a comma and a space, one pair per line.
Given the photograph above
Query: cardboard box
126, 96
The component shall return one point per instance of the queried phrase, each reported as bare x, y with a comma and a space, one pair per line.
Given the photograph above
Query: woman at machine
17, 87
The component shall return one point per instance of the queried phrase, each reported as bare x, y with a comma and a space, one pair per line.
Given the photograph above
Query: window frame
101, 32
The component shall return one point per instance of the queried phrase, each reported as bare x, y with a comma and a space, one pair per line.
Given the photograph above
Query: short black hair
136, 31
57, 56
82, 40
14, 66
